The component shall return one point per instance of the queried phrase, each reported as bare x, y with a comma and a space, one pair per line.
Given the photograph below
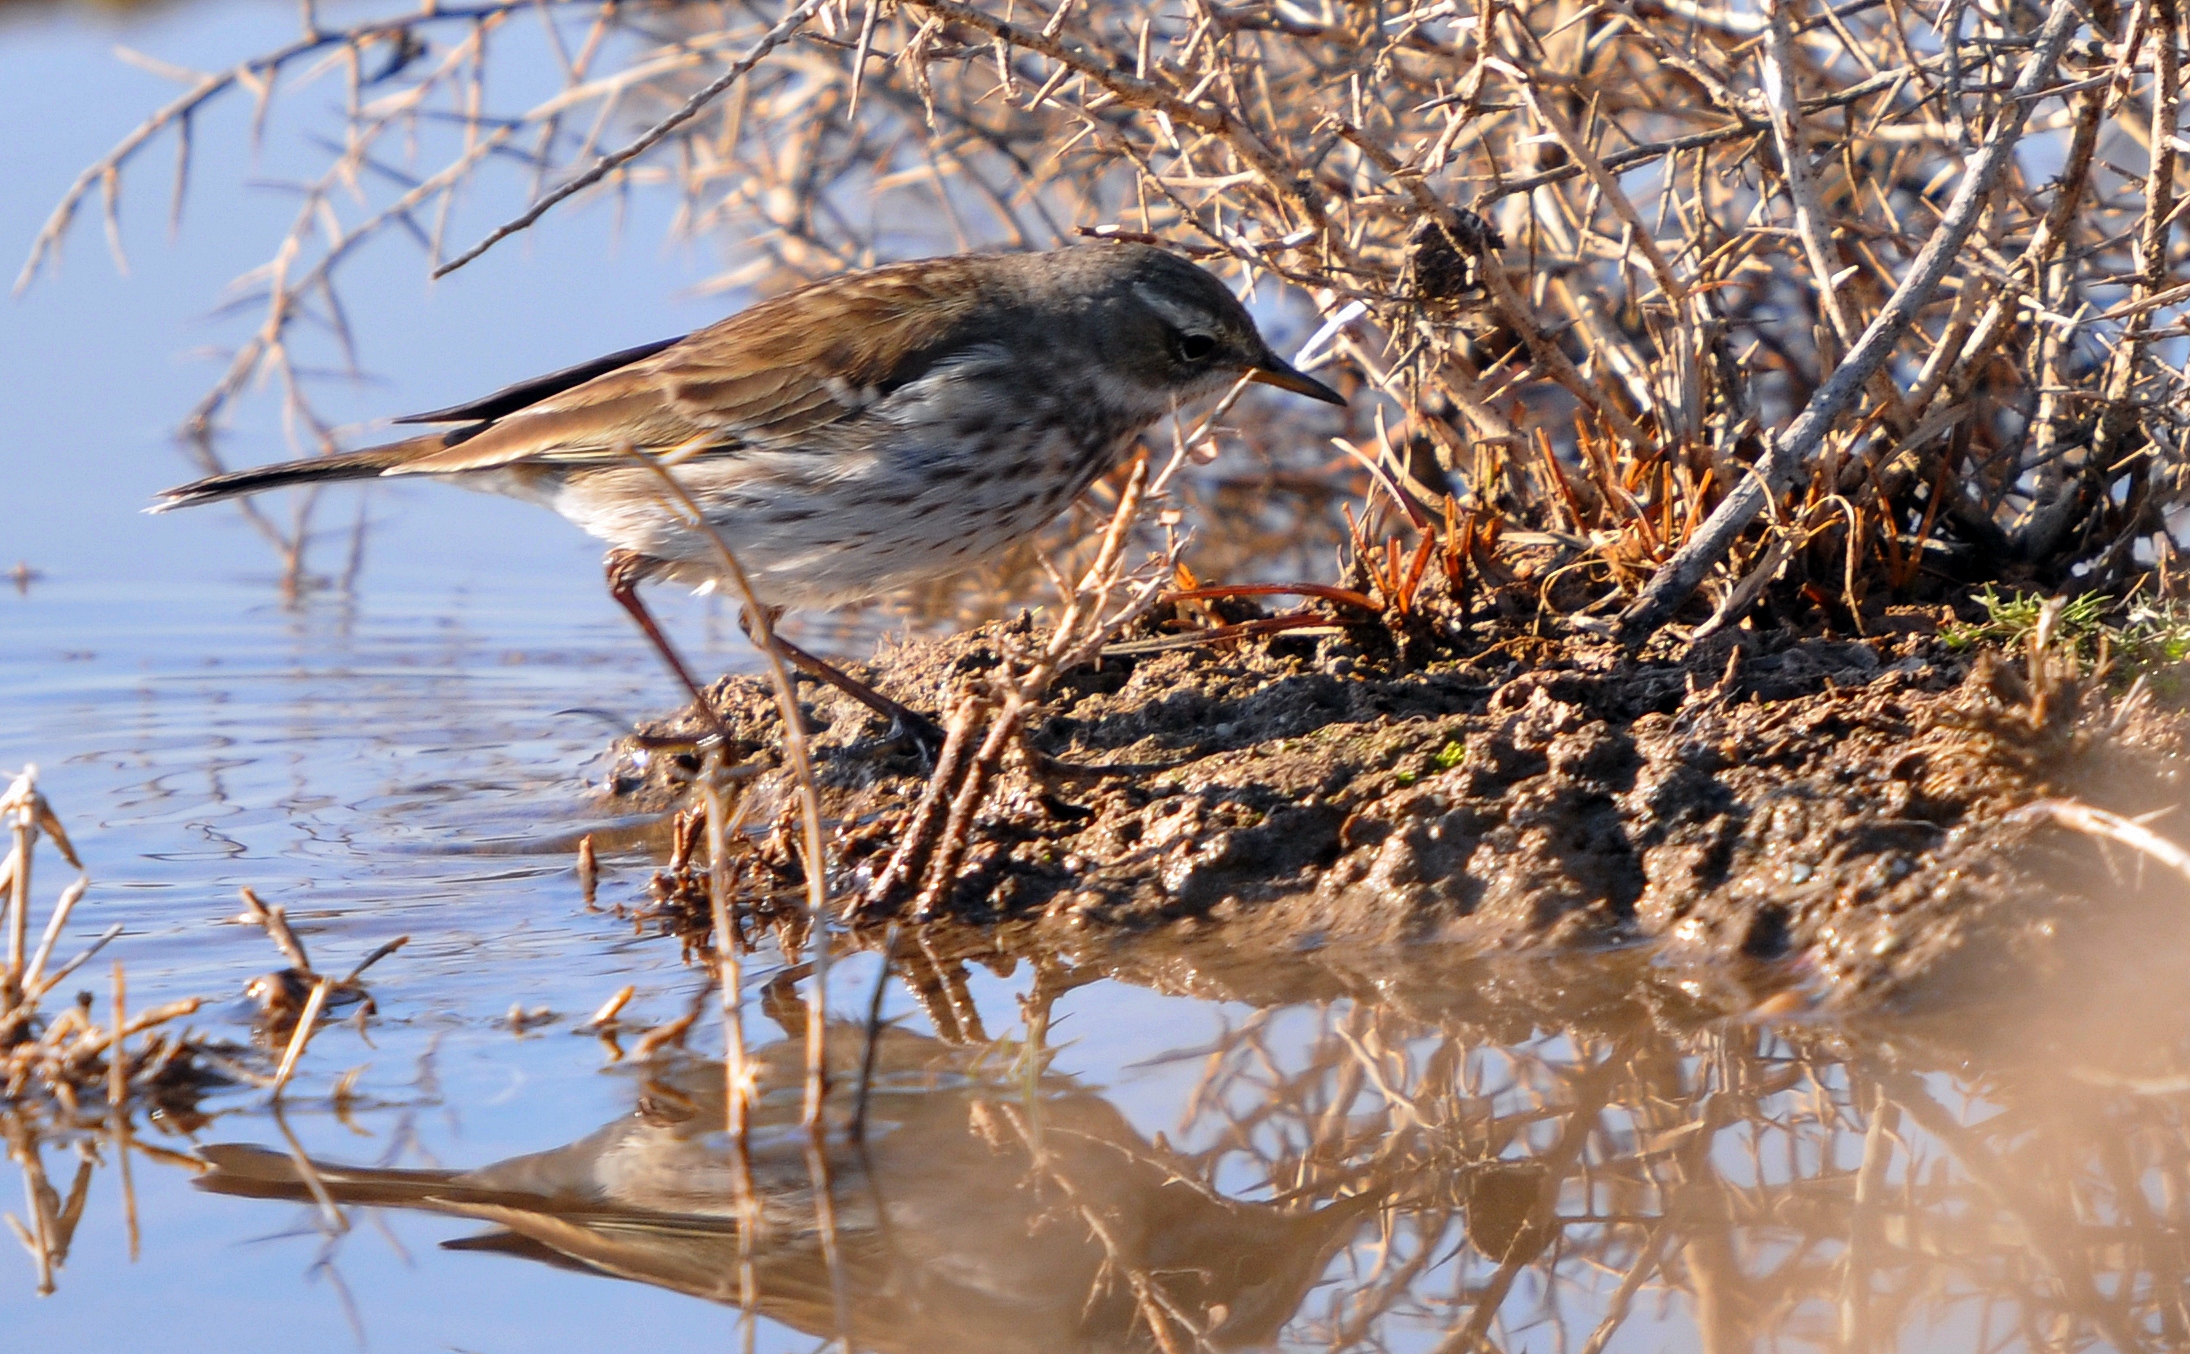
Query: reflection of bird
874, 429
973, 1219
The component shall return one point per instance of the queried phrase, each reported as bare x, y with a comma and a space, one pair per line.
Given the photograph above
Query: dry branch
645, 141
1746, 256
2097, 822
1790, 453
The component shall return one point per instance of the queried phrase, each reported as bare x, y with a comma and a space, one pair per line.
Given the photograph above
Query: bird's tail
351, 465
255, 1172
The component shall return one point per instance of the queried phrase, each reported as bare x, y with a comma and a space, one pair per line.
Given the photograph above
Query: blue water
384, 753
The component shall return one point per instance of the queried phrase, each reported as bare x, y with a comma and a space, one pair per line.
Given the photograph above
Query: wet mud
1834, 815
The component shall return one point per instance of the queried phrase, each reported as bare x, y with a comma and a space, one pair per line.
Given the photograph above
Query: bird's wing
769, 375
511, 398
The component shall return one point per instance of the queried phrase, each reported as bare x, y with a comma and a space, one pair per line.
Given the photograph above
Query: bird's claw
926, 736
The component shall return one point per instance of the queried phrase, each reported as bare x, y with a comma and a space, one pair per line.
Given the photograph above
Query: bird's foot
926, 736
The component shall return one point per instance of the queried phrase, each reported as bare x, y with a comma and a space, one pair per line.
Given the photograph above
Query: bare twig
301, 1036
645, 141
2081, 817
796, 751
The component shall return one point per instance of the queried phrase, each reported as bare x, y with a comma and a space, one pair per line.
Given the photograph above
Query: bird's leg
904, 720
626, 570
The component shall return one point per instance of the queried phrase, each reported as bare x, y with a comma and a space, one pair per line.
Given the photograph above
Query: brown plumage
867, 431
775, 373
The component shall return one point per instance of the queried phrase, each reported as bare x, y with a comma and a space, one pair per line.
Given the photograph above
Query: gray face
1177, 329
1159, 327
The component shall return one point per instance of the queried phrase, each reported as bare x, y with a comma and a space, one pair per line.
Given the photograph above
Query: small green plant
2012, 618
1451, 755
2161, 630
2136, 635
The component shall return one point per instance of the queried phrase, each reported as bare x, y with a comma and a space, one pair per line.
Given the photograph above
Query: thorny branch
1610, 279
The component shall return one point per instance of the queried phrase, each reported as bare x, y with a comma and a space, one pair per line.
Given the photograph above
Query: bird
877, 428
983, 1209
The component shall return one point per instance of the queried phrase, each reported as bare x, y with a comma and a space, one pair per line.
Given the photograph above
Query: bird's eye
1193, 347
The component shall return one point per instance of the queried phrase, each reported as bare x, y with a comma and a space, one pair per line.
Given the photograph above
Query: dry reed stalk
34, 972
50, 1065
589, 870
275, 922
24, 828
609, 1009
117, 1105
278, 993
56, 1055
301, 1036
372, 957
29, 815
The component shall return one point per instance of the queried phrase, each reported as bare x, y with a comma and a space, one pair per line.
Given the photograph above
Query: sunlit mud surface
1162, 1144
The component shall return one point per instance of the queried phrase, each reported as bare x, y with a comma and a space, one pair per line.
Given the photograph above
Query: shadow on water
1426, 1153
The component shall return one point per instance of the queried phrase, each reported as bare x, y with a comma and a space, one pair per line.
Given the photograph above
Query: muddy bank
1834, 809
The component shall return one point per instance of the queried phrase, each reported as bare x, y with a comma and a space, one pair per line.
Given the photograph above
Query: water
1128, 1146
1397, 1150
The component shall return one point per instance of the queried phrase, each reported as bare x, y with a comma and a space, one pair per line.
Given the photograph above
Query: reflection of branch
1647, 1258
1879, 1141
1720, 1171
1592, 1091
2046, 1229
1157, 1308
52, 1226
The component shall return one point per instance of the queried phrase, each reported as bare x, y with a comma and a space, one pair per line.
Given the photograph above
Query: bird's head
1172, 329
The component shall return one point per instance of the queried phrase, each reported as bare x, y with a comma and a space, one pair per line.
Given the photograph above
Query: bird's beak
1274, 371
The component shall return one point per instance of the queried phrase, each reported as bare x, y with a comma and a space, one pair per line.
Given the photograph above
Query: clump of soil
1838, 805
